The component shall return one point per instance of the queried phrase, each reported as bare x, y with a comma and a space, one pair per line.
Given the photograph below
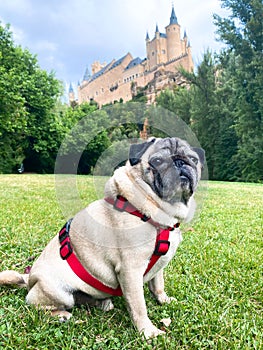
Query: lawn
216, 276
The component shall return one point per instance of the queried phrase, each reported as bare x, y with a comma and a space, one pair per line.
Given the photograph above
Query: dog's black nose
179, 163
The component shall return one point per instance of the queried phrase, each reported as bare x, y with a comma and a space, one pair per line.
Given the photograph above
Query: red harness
121, 204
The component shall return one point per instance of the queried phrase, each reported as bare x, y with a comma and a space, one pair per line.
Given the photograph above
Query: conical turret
70, 90
86, 75
147, 36
173, 18
174, 45
71, 94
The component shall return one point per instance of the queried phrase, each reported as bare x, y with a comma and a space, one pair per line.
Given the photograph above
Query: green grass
216, 276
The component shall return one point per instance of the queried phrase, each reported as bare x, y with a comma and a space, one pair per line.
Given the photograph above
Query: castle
119, 80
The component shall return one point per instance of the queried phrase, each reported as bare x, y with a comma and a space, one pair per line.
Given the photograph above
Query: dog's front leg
132, 287
156, 286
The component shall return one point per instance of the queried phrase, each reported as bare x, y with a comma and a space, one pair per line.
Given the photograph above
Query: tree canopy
28, 96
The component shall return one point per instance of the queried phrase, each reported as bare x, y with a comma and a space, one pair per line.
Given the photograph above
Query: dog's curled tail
10, 277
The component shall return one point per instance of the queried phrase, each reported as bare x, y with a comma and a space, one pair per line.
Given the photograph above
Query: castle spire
70, 90
71, 95
86, 75
147, 36
157, 29
173, 18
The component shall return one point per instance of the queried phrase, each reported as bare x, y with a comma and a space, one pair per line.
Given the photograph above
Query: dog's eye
156, 162
194, 159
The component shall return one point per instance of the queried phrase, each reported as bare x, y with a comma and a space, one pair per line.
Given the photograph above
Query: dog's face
169, 166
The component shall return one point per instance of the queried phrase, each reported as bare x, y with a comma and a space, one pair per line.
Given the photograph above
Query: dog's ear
137, 150
201, 154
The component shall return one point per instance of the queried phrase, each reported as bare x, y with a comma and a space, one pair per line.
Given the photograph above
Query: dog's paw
167, 300
105, 305
62, 315
152, 332
163, 298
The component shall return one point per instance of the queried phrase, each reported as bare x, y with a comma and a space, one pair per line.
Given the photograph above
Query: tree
28, 95
243, 33
207, 107
177, 101
205, 116
13, 114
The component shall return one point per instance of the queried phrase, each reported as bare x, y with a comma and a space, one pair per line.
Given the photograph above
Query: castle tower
97, 66
71, 94
190, 60
184, 43
174, 46
147, 39
156, 49
152, 48
157, 45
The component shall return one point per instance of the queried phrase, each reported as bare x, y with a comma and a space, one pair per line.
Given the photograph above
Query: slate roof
134, 63
118, 62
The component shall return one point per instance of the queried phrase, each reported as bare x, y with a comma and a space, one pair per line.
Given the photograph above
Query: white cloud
67, 35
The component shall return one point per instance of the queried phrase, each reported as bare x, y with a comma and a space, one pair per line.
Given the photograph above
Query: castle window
163, 52
153, 53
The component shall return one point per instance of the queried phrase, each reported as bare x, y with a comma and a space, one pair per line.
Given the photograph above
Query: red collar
120, 203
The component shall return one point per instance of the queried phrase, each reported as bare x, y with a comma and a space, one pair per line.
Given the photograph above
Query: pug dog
114, 240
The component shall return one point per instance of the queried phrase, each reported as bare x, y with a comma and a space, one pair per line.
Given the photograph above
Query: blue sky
68, 35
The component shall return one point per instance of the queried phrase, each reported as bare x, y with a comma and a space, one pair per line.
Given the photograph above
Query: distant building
119, 80
71, 94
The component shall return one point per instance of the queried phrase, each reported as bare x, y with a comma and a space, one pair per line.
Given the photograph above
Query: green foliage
224, 103
243, 33
211, 117
204, 106
216, 275
13, 114
28, 94
177, 101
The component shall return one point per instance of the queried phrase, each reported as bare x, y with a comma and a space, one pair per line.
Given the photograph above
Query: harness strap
121, 204
66, 251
